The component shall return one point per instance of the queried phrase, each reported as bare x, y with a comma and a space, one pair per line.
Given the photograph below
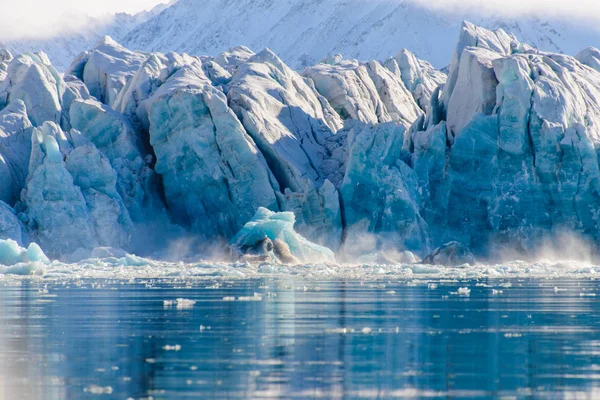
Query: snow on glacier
366, 92
46, 95
590, 57
295, 128
106, 68
418, 76
5, 58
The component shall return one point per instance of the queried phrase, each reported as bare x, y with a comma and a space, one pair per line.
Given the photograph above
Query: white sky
40, 17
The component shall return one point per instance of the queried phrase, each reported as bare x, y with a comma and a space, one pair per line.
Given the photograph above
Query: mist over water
555, 247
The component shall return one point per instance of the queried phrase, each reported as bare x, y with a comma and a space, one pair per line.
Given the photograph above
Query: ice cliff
131, 150
516, 134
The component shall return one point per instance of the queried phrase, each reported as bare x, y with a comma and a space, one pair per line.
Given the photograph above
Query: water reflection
286, 339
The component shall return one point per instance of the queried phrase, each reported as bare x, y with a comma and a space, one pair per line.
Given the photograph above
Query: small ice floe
556, 290
95, 389
462, 291
432, 286
255, 297
496, 292
180, 304
512, 335
587, 294
343, 331
175, 347
366, 330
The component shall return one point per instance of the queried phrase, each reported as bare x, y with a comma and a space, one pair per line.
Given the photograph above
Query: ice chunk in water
11, 253
271, 235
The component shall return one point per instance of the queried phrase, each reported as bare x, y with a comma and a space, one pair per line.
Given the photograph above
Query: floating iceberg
270, 236
11, 253
21, 261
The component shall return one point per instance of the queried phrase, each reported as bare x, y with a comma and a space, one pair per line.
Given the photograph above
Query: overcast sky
39, 16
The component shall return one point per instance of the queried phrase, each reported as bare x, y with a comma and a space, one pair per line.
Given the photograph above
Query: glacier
132, 152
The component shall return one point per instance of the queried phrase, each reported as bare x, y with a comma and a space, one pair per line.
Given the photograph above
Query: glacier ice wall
70, 200
521, 153
138, 151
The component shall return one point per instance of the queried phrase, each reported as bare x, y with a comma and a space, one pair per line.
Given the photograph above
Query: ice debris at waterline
450, 254
15, 259
270, 236
137, 151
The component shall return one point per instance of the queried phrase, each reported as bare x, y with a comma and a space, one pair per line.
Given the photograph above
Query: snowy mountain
302, 32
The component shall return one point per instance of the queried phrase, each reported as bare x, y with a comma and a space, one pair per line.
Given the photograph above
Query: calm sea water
280, 338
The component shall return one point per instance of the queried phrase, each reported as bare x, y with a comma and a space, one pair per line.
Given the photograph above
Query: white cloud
41, 17
588, 10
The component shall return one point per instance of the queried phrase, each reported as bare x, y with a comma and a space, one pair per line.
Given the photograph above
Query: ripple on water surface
298, 335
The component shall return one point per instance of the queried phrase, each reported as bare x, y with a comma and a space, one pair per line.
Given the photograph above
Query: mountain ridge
302, 32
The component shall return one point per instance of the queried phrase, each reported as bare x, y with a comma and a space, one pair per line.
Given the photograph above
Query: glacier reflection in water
298, 338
